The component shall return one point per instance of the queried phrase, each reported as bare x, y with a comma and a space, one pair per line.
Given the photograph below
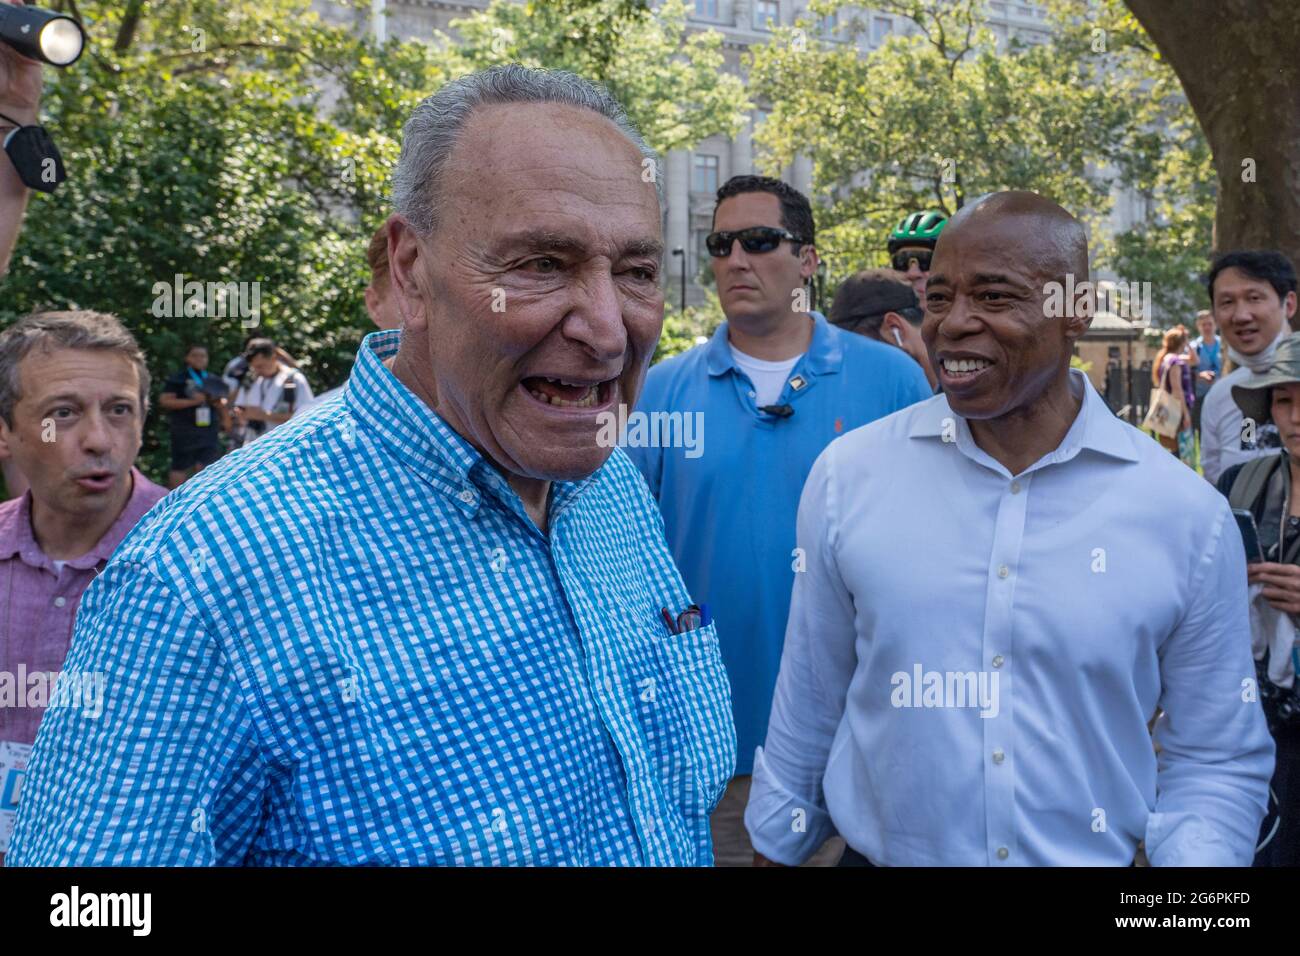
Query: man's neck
1020, 438
772, 339
64, 537
534, 493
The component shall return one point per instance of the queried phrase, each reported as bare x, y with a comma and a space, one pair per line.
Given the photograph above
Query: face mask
1260, 361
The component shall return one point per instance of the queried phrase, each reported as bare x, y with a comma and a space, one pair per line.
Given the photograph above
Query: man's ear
1078, 314
1288, 306
404, 265
891, 322
808, 262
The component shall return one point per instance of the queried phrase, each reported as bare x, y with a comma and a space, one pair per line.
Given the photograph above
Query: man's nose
960, 319
914, 270
595, 320
95, 434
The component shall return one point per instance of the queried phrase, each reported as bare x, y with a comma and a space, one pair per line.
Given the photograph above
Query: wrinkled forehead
1020, 247
47, 371
548, 165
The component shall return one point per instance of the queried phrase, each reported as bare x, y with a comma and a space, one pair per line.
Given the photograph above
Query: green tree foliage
1165, 157
671, 81
249, 141
937, 116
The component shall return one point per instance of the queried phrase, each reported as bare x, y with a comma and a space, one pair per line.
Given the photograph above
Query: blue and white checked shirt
348, 644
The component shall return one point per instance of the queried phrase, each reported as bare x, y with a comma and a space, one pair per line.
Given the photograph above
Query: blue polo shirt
729, 501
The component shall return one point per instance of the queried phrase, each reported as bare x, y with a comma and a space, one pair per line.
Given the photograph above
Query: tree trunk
1239, 64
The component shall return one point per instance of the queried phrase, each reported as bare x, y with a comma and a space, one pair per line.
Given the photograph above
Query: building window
706, 9
998, 8
881, 27
701, 247
766, 14
828, 23
705, 178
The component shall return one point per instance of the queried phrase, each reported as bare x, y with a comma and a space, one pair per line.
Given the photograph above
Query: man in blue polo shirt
773, 387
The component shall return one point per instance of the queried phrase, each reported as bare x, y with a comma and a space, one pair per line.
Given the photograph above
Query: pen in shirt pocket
693, 618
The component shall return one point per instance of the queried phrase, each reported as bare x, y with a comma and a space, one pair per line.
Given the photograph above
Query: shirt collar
1095, 428
421, 439
16, 535
825, 352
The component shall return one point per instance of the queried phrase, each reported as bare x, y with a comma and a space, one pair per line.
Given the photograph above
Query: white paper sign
13, 768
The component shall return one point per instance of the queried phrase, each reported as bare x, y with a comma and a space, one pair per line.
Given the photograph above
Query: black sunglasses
902, 260
754, 239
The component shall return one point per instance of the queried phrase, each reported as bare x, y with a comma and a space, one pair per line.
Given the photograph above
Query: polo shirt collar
825, 352
1095, 428
421, 439
17, 538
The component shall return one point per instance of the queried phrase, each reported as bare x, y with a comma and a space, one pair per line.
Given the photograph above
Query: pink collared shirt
38, 603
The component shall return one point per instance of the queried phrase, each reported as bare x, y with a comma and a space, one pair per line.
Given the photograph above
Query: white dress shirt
1105, 580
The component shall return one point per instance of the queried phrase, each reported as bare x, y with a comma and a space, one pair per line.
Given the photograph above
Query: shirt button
1003, 853
997, 661
753, 394
1015, 487
999, 756
60, 601
467, 496
1003, 571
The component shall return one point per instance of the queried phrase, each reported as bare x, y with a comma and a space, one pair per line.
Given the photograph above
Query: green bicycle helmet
918, 229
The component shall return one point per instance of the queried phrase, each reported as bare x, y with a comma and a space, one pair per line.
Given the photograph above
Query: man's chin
558, 465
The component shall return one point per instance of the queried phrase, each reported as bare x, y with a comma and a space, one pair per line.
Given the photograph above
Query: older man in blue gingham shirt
358, 641
345, 646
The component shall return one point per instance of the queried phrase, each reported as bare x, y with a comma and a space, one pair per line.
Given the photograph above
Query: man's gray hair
434, 128
47, 331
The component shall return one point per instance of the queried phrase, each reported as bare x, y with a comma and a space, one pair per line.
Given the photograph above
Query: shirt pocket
692, 706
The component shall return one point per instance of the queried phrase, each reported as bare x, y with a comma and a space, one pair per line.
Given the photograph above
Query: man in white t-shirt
275, 394
1253, 298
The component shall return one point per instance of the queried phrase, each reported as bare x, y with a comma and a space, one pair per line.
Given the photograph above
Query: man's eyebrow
650, 248
538, 240
78, 400
996, 278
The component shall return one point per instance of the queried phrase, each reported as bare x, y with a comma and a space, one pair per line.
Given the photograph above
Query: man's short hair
259, 347
433, 130
377, 257
48, 331
796, 212
1266, 265
863, 299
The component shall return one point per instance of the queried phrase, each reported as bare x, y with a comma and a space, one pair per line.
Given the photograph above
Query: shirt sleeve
163, 768
1216, 755
305, 394
175, 385
787, 817
1212, 437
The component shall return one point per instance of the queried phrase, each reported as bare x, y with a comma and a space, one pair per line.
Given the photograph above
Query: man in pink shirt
74, 391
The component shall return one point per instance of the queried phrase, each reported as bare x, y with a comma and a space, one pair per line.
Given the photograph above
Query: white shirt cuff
783, 827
